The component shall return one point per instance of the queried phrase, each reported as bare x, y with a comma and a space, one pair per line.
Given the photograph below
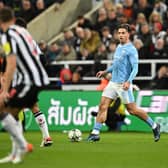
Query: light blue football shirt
125, 63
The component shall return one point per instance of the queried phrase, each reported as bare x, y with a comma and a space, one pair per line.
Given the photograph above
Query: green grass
115, 150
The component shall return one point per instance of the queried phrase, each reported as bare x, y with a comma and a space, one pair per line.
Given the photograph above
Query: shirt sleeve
110, 69
9, 44
133, 57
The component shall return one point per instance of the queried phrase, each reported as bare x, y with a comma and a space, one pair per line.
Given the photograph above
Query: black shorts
23, 96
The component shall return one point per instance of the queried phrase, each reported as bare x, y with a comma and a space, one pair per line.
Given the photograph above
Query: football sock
11, 125
14, 147
97, 128
14, 144
151, 123
41, 121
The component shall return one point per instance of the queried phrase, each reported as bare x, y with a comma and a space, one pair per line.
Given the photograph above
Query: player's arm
103, 73
9, 72
109, 69
9, 49
7, 78
133, 73
133, 58
134, 64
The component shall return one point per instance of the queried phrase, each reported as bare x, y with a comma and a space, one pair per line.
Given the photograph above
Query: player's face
123, 35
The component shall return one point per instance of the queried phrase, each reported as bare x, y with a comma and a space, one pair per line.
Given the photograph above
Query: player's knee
131, 110
35, 108
103, 108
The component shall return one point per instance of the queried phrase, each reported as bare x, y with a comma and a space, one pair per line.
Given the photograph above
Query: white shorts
113, 90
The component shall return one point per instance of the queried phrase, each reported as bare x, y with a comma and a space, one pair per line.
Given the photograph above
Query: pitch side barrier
152, 65
65, 110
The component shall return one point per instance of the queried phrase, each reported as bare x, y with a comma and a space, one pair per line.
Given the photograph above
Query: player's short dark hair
21, 22
6, 14
124, 26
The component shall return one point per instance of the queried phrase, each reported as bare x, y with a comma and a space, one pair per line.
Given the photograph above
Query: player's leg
42, 123
134, 110
12, 154
19, 143
128, 100
15, 154
107, 96
100, 119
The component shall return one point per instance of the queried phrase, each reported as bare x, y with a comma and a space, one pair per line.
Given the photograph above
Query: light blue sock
150, 122
97, 128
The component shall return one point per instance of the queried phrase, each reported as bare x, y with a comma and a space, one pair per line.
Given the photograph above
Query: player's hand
3, 97
126, 85
100, 74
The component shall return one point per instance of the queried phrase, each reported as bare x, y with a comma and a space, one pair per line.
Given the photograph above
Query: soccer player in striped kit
24, 77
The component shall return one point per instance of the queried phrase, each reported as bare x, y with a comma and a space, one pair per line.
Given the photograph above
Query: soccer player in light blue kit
124, 70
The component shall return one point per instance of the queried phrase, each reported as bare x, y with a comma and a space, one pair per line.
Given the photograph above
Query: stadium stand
149, 33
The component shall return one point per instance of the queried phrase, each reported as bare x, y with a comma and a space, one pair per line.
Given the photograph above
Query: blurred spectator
84, 22
142, 7
166, 40
165, 21
27, 12
160, 80
76, 78
112, 21
85, 55
79, 32
155, 17
160, 7
146, 38
157, 32
133, 32
112, 48
141, 19
101, 52
90, 42
139, 46
101, 20
108, 5
143, 68
121, 18
119, 9
39, 7
106, 36
160, 51
67, 53
69, 37
16, 5
43, 46
52, 53
65, 76
87, 70
128, 9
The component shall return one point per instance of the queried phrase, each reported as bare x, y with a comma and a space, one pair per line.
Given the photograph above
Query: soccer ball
75, 135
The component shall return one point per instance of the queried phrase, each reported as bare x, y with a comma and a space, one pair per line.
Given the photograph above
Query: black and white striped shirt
18, 41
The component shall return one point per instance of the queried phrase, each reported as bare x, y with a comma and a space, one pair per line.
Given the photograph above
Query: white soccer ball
75, 135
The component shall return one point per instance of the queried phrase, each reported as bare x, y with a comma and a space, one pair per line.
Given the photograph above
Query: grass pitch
114, 150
